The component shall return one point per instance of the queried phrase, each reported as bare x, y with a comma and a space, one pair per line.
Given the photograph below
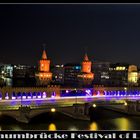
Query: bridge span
78, 108
26, 103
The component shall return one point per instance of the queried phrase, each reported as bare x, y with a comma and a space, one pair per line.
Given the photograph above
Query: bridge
26, 103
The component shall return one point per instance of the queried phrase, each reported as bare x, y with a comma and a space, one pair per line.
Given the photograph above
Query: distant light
29, 97
57, 66
53, 109
94, 105
44, 95
7, 97
77, 67
23, 97
67, 91
39, 96
13, 97
125, 88
34, 97
88, 91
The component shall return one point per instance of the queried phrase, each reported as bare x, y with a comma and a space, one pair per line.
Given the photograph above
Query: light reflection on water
122, 123
60, 122
72, 128
93, 126
16, 128
52, 127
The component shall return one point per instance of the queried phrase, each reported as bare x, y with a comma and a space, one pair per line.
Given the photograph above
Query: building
6, 75
58, 74
133, 75
86, 77
71, 71
43, 75
101, 73
24, 75
122, 74
118, 74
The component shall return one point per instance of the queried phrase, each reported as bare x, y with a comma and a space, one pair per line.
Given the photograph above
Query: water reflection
122, 123
109, 120
93, 126
72, 128
52, 127
16, 128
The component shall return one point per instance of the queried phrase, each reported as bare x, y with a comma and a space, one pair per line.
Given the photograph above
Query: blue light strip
75, 93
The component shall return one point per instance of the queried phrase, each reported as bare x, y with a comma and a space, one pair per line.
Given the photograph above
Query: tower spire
86, 57
44, 55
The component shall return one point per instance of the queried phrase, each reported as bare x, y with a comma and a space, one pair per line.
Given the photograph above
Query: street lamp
125, 103
53, 109
94, 105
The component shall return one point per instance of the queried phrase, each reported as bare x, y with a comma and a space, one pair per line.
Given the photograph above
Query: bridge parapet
8, 91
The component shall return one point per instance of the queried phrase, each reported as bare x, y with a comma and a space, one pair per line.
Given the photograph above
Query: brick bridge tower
43, 76
86, 76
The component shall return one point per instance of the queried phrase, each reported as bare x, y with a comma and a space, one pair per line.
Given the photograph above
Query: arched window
6, 96
29, 95
19, 95
53, 94
13, 96
44, 94
39, 95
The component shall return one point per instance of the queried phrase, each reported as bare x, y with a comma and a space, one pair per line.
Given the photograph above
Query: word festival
73, 135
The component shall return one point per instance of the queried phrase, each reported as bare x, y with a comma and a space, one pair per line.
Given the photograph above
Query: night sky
107, 32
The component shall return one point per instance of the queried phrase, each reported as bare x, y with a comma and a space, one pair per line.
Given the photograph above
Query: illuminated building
24, 75
123, 75
58, 74
118, 74
132, 75
71, 71
6, 74
44, 76
86, 76
101, 73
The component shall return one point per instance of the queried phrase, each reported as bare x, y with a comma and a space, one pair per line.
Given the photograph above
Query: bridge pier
86, 108
81, 111
23, 114
133, 107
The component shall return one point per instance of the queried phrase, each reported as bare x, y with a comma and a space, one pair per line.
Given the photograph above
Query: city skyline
107, 32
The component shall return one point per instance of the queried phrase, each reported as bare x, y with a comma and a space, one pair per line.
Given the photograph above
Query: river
108, 120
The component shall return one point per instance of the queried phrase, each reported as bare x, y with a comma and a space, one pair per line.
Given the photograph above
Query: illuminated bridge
25, 103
